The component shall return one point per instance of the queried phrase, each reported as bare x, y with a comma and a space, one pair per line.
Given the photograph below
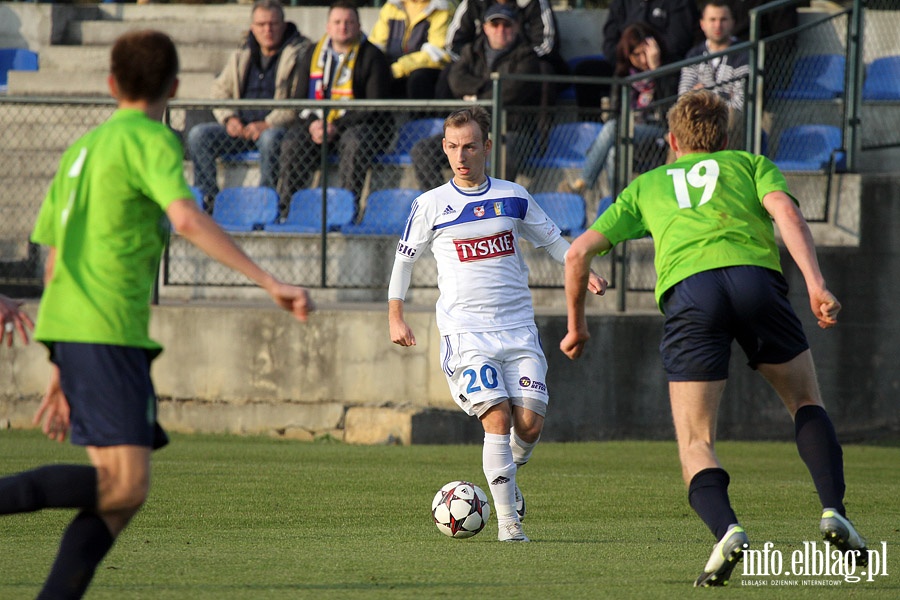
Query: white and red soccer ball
460, 509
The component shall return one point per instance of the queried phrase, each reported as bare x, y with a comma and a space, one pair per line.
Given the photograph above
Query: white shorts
486, 368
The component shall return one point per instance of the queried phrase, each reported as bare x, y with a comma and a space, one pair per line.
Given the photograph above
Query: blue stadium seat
810, 148
410, 133
248, 156
15, 59
245, 208
568, 211
882, 79
815, 77
386, 212
567, 145
305, 213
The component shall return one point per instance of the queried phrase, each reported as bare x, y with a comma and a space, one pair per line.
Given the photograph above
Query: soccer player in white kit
490, 348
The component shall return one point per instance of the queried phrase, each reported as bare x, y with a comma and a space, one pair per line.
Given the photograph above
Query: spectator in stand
500, 50
676, 21
725, 75
639, 50
264, 68
343, 65
412, 33
537, 26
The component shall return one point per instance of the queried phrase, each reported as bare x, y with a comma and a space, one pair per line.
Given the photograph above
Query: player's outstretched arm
401, 332
13, 319
578, 269
559, 250
799, 242
199, 229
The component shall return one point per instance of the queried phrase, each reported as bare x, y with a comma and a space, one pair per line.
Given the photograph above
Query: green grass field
246, 517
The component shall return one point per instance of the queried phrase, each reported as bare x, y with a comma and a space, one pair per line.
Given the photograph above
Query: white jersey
482, 276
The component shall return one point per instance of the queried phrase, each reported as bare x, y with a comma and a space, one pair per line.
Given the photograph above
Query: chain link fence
328, 216
33, 136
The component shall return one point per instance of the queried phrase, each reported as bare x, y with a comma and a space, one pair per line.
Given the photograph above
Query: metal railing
35, 131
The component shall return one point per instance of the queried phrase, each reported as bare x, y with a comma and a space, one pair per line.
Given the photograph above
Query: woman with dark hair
639, 49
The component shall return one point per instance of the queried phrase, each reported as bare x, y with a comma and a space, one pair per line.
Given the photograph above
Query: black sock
819, 448
708, 496
83, 546
52, 486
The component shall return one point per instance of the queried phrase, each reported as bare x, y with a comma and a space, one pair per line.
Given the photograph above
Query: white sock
521, 450
500, 471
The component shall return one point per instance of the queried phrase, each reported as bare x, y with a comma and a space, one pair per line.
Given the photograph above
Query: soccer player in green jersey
105, 221
719, 279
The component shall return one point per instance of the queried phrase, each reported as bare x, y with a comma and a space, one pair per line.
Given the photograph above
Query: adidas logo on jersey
448, 211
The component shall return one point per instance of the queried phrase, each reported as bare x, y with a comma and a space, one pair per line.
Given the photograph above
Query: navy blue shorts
110, 394
707, 311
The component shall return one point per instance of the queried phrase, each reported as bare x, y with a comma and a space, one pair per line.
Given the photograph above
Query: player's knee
529, 433
126, 497
122, 492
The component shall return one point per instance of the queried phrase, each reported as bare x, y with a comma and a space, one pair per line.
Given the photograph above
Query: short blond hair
699, 121
473, 114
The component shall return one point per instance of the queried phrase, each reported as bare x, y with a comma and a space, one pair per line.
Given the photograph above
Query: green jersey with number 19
704, 212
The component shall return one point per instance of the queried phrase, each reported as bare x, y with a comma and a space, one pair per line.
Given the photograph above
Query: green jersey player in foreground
104, 221
719, 279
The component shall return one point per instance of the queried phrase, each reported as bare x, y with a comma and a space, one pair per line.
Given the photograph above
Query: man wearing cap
502, 50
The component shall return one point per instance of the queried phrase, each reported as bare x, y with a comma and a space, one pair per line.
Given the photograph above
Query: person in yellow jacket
412, 34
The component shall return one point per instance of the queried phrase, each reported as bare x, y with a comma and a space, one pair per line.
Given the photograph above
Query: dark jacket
371, 81
776, 21
537, 24
678, 22
471, 75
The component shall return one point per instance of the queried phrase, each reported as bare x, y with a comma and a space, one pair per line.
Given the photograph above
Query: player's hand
597, 284
12, 319
54, 410
573, 344
825, 307
293, 299
401, 333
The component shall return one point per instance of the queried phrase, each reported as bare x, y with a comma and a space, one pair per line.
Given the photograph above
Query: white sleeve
401, 275
558, 249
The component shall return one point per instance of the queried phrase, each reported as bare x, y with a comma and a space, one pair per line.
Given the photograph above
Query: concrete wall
248, 368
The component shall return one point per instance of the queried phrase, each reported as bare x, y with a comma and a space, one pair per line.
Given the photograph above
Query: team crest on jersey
492, 246
479, 211
498, 208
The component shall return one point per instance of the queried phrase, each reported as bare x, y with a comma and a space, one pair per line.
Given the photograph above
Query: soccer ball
460, 509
